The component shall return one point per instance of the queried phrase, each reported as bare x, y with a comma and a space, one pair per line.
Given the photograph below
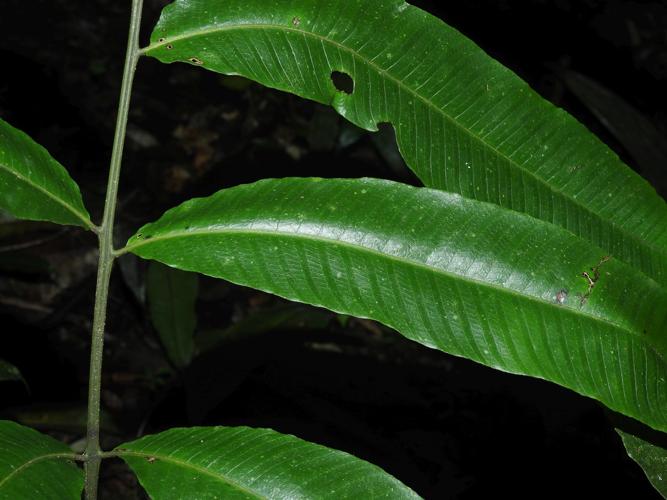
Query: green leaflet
651, 458
33, 465
464, 123
466, 277
239, 462
35, 186
171, 298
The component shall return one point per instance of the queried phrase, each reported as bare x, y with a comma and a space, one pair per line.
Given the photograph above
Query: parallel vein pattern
35, 186
464, 123
463, 276
652, 458
33, 465
244, 463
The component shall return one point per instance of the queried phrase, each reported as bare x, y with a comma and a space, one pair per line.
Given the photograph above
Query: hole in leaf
342, 81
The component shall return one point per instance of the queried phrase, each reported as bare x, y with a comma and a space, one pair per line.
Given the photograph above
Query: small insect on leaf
592, 280
151, 460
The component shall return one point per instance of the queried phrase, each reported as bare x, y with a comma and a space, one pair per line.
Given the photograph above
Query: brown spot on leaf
592, 278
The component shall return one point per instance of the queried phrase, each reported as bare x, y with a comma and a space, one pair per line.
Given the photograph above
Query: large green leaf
239, 462
463, 122
171, 299
650, 457
464, 276
35, 186
35, 466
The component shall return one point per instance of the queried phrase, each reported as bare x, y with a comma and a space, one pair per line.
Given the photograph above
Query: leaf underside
245, 463
35, 186
30, 466
171, 298
464, 123
651, 458
463, 276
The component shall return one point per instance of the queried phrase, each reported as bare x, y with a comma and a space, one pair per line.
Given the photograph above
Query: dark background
445, 426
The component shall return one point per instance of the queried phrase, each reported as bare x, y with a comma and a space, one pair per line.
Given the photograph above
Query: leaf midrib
86, 221
187, 465
620, 229
403, 260
33, 461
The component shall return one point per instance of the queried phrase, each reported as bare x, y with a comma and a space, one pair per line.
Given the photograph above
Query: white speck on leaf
561, 296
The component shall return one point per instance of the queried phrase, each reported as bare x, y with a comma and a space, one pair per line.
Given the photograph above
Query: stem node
93, 451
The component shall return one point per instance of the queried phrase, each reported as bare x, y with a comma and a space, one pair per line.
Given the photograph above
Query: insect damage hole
195, 60
342, 81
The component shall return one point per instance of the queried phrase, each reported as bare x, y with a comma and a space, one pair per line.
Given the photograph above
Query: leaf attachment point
33, 465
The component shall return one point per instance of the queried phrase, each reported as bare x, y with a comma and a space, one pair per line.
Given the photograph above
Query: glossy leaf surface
466, 277
464, 123
651, 458
236, 463
34, 466
171, 299
35, 186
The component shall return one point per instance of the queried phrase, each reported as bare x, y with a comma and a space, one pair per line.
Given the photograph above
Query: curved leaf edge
80, 214
137, 241
64, 456
152, 456
652, 257
650, 457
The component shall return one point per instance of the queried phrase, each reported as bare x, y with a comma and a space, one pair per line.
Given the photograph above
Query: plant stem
93, 452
